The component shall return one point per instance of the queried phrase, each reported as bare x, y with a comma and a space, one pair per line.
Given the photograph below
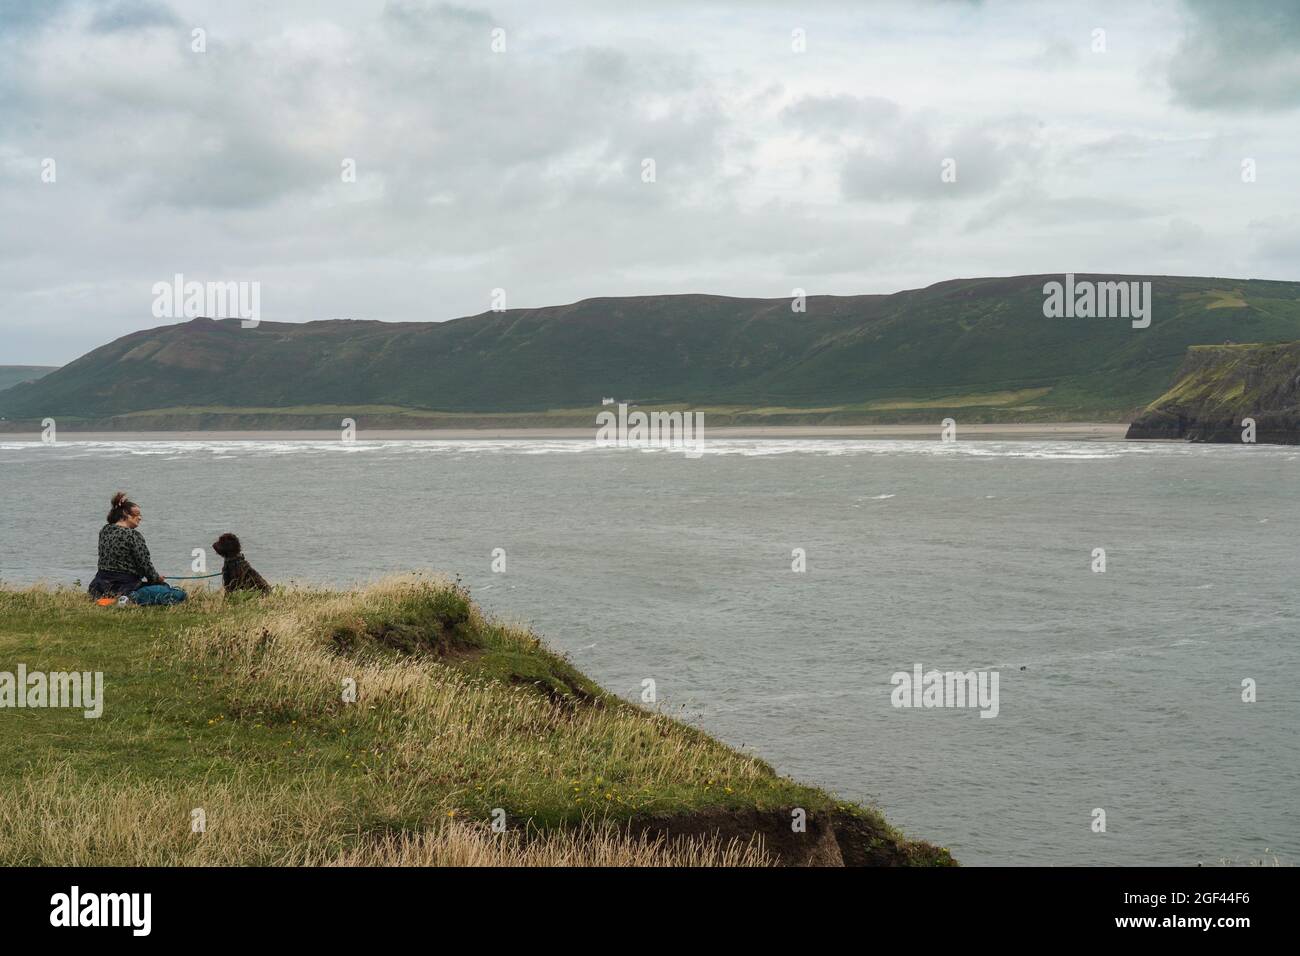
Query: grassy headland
1220, 387
236, 707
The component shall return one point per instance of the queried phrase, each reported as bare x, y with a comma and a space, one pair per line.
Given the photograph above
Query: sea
1134, 604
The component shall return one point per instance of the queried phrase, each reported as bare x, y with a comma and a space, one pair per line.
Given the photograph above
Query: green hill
13, 374
1218, 387
228, 735
981, 348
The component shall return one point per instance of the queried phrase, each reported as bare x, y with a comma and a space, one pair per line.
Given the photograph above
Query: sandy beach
1039, 431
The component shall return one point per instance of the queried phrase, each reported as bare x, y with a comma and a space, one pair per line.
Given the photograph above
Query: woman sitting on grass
124, 563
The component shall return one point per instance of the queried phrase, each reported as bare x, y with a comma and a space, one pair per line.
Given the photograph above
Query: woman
124, 563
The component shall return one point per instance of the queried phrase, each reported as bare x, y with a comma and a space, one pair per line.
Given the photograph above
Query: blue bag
157, 594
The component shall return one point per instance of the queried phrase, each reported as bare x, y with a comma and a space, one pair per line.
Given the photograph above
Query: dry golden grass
475, 845
433, 715
57, 820
236, 707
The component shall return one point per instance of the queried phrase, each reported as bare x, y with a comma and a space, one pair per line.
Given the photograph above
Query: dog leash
194, 577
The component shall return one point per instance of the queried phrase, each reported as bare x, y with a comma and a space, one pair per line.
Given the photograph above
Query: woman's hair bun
122, 506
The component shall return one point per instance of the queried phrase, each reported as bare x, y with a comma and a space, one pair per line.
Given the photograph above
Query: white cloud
523, 169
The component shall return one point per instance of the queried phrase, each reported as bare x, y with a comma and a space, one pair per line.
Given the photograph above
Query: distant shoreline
1034, 431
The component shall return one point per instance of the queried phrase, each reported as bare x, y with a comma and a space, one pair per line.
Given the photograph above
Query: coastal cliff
395, 724
1218, 387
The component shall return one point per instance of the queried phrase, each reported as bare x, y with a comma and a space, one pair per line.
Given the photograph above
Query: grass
1006, 405
240, 707
332, 410
1010, 397
1231, 380
1218, 299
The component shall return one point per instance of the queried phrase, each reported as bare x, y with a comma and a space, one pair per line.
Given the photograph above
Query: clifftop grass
242, 708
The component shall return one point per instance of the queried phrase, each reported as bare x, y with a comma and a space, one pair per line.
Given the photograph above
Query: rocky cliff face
1218, 387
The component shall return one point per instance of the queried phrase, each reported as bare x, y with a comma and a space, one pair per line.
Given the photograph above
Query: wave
1055, 450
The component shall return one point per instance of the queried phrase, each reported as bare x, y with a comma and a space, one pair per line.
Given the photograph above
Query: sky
838, 148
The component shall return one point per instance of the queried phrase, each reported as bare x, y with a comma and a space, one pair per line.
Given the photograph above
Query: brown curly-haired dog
237, 574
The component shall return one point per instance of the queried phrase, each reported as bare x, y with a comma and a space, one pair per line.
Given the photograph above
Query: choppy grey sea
1120, 690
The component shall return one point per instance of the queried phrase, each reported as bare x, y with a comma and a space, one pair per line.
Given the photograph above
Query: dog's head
227, 545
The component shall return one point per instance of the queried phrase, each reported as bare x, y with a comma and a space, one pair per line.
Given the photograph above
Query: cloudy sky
1085, 137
